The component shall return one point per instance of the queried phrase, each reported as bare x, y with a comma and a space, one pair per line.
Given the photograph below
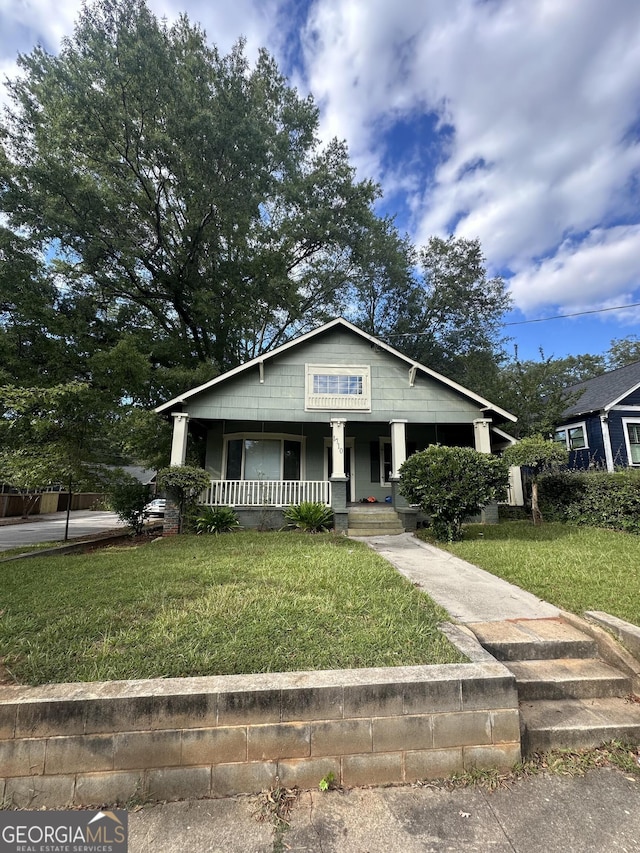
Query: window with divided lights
632, 438
337, 388
572, 436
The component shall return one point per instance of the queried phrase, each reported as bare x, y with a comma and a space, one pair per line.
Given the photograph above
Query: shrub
311, 516
595, 498
128, 498
215, 519
451, 483
559, 490
185, 485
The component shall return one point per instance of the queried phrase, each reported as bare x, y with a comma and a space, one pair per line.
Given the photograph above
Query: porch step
373, 521
568, 678
578, 723
375, 531
569, 697
533, 639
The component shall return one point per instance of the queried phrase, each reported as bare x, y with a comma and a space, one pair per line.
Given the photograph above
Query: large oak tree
184, 193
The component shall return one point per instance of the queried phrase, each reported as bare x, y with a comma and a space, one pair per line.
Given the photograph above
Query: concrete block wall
107, 743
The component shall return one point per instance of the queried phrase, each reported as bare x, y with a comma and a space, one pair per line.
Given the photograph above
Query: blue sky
514, 122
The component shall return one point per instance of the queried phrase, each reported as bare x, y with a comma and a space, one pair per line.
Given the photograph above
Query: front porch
260, 469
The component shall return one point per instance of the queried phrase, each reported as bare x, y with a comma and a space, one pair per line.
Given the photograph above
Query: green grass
36, 546
199, 605
575, 568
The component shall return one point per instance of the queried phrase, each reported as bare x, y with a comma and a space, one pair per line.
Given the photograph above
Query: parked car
155, 509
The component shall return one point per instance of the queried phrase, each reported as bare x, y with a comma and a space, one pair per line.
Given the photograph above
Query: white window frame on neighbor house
263, 436
346, 388
626, 423
567, 439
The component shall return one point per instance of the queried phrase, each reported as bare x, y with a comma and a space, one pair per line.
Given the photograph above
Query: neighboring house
146, 476
330, 416
601, 426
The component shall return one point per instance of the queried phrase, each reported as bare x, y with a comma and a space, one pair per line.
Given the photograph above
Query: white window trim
382, 440
271, 436
625, 424
567, 427
337, 402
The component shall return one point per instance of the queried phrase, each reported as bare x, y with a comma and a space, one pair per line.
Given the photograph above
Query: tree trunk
535, 509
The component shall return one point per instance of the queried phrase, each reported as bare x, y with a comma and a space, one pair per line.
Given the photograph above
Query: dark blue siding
594, 453
631, 400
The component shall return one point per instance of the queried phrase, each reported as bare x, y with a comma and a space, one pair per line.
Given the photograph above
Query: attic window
332, 388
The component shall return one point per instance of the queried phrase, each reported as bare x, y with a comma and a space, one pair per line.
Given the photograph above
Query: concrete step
568, 678
375, 531
387, 521
533, 639
577, 723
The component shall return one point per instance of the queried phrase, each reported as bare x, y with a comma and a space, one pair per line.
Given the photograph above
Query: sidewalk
599, 812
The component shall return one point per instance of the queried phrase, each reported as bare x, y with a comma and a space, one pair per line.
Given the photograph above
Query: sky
514, 122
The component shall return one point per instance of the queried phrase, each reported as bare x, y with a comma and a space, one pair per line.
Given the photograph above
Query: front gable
337, 370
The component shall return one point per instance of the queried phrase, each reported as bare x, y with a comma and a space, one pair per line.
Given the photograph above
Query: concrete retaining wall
105, 743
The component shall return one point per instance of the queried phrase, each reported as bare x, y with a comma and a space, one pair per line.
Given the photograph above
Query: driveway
50, 527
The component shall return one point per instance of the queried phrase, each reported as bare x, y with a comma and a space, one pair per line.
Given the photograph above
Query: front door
347, 467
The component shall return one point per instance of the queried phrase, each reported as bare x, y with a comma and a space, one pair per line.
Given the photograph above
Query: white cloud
602, 270
542, 94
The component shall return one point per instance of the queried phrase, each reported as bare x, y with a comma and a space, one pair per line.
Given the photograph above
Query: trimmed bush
596, 498
450, 484
184, 484
311, 516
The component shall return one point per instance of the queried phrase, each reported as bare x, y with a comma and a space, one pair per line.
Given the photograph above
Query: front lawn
206, 605
576, 568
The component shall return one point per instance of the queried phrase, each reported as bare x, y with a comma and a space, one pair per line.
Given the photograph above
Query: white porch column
606, 440
481, 434
337, 447
179, 440
398, 446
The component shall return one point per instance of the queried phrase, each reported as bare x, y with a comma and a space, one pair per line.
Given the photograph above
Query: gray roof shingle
603, 390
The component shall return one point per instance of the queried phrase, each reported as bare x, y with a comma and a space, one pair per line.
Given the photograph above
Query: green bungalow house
330, 416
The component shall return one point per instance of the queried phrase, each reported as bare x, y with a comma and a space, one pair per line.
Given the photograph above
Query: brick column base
171, 524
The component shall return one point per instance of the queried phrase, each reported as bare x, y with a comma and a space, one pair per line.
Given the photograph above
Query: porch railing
267, 492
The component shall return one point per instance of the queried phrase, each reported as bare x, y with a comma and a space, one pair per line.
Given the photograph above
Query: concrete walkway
467, 593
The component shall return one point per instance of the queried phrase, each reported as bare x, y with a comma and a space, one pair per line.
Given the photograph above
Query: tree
537, 392
539, 455
186, 195
452, 314
623, 351
450, 484
29, 471
50, 435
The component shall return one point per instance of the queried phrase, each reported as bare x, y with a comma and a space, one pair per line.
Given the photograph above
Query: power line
536, 320
576, 314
